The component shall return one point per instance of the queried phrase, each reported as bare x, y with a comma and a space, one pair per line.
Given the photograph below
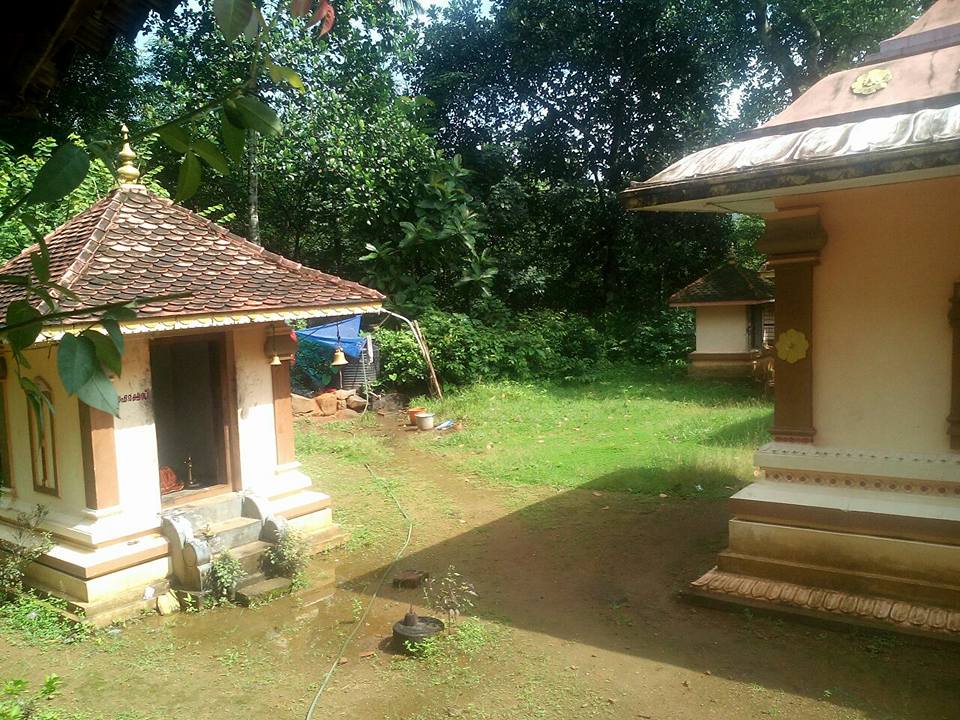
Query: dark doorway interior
188, 412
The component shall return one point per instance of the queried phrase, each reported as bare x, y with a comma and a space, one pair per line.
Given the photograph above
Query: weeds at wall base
30, 619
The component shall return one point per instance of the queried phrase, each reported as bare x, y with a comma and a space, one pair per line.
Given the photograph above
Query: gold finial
127, 172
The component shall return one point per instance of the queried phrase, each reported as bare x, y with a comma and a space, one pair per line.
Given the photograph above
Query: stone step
212, 510
300, 503
103, 612
250, 556
917, 515
327, 539
262, 590
231, 533
312, 523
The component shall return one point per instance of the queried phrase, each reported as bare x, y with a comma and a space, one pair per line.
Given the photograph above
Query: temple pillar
793, 240
283, 412
99, 451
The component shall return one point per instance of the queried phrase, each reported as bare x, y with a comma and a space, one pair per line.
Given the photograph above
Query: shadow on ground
604, 569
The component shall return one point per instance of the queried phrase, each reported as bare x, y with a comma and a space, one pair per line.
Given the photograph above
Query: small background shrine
734, 320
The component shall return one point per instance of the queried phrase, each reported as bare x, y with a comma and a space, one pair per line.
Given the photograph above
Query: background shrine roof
727, 284
133, 244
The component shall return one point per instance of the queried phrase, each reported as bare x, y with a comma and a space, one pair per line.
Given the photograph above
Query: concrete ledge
720, 369
812, 459
301, 503
927, 518
902, 569
80, 528
103, 588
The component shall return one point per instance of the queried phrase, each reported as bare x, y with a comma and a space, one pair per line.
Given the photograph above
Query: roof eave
705, 303
718, 193
173, 323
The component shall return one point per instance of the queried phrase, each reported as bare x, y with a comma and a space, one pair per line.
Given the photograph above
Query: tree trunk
253, 223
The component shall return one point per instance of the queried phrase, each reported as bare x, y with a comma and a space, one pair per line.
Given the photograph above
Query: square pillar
99, 451
793, 240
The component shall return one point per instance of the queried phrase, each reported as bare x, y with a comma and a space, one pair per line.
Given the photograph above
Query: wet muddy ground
579, 609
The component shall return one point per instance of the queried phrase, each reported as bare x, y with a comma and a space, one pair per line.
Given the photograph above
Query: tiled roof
133, 244
728, 283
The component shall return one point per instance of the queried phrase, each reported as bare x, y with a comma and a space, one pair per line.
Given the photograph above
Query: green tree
795, 43
85, 358
440, 251
558, 106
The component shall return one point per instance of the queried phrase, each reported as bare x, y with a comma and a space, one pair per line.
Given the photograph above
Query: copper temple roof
896, 113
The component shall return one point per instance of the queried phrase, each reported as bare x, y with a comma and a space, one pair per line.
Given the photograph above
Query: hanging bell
275, 360
339, 359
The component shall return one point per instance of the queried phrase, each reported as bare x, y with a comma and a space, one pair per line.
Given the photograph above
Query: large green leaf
232, 16
107, 354
100, 393
281, 73
40, 262
211, 155
105, 152
175, 138
189, 178
113, 330
258, 116
60, 175
20, 311
11, 279
234, 137
76, 361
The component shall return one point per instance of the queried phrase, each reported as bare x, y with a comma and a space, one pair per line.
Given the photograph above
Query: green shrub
523, 346
28, 544
39, 620
663, 337
17, 704
288, 557
225, 573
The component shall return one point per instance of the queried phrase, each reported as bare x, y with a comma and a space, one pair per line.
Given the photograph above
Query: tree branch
778, 52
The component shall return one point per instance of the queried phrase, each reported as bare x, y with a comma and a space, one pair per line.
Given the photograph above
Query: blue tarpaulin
348, 329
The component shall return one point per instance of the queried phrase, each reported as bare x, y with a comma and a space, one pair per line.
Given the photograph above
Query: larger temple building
856, 512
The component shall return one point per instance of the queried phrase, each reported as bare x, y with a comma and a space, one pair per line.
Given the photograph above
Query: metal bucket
424, 421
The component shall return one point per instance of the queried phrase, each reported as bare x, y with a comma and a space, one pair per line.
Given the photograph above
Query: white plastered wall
255, 422
722, 329
135, 435
68, 515
66, 425
882, 342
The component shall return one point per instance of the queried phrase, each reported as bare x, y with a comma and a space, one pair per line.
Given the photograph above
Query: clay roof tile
134, 244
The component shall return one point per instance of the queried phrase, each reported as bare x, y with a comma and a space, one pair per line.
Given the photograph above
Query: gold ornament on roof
792, 346
127, 173
871, 81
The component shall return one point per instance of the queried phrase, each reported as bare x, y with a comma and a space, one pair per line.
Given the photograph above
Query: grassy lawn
639, 430
576, 614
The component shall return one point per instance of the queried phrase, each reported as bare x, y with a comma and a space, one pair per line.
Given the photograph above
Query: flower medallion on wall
792, 346
871, 81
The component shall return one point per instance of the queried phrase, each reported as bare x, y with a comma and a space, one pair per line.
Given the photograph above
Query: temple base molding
831, 605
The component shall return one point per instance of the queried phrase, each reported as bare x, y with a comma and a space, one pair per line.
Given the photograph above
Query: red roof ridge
89, 250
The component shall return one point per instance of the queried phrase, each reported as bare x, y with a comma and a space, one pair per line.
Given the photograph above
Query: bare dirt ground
580, 615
